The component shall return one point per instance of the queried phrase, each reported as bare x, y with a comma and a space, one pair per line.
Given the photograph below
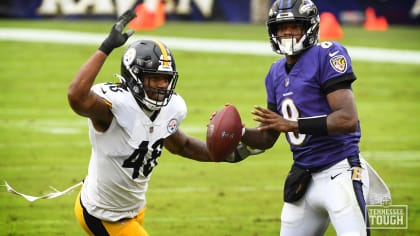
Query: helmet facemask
304, 12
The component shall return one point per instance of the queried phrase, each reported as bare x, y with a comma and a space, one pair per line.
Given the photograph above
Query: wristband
316, 125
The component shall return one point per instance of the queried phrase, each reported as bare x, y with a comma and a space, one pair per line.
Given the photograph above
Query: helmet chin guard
288, 45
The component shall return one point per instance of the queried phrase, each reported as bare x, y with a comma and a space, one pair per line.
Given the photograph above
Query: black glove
241, 152
116, 38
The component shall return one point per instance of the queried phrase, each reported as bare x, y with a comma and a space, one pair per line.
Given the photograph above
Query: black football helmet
144, 57
303, 11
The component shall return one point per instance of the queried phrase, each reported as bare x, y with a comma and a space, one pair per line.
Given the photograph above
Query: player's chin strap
52, 195
241, 152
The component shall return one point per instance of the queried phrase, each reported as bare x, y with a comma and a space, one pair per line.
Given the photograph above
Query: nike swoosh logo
103, 91
333, 176
331, 54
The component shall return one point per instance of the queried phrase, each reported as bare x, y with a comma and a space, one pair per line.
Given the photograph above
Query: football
224, 133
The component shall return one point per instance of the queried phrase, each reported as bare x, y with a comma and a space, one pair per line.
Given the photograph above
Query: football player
310, 99
129, 124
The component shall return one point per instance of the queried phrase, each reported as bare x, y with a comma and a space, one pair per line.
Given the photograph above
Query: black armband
313, 125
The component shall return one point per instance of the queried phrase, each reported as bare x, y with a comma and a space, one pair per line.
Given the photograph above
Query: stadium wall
235, 11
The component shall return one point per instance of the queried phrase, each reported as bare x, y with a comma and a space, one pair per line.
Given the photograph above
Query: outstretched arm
187, 146
81, 99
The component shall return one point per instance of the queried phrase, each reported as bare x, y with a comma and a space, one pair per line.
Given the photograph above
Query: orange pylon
148, 19
373, 23
330, 29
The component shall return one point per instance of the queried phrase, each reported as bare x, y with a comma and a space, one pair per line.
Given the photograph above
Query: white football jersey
124, 156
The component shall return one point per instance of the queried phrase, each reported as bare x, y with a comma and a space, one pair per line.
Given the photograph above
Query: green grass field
43, 143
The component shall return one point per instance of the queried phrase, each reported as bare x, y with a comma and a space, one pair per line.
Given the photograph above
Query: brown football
224, 133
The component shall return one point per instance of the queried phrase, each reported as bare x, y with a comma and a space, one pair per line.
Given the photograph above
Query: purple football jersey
301, 94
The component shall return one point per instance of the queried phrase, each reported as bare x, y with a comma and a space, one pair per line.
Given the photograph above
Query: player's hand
116, 37
242, 151
272, 120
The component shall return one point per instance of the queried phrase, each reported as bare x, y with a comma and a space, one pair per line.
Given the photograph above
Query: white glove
241, 152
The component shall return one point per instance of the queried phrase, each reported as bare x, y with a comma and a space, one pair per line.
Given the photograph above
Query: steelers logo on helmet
129, 56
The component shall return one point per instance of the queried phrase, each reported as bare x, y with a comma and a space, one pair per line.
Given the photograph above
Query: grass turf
43, 143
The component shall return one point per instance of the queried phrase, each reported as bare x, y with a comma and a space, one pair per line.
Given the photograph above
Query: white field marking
62, 126
59, 130
193, 129
45, 122
58, 126
395, 156
376, 139
46, 144
28, 111
412, 185
412, 164
204, 45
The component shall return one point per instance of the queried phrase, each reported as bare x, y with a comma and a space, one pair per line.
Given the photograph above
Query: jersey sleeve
179, 108
336, 66
120, 101
172, 115
270, 90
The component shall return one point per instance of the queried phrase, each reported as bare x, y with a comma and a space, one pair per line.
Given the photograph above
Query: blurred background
43, 143
235, 11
